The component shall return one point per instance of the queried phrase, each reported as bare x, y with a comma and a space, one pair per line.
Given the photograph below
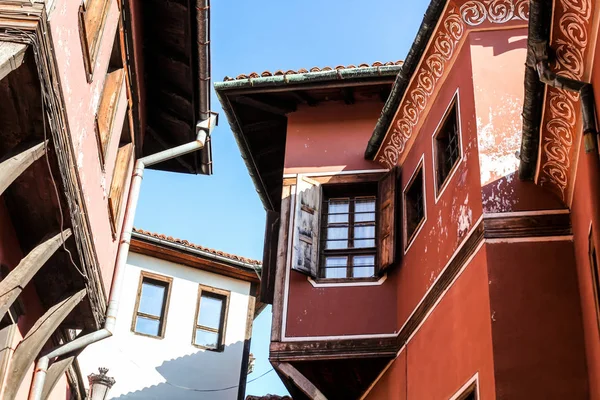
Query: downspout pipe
204, 129
537, 58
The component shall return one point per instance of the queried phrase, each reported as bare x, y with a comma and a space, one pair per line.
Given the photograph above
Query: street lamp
100, 384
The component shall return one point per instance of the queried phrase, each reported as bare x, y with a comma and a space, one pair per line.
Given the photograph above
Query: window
595, 276
447, 146
345, 229
414, 204
211, 317
151, 306
348, 232
92, 16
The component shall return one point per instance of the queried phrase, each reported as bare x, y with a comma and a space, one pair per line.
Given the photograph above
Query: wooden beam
303, 97
384, 93
300, 381
11, 57
56, 371
281, 108
18, 278
263, 125
13, 165
29, 348
348, 94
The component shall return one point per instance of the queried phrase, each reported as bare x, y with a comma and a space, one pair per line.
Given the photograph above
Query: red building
87, 92
432, 224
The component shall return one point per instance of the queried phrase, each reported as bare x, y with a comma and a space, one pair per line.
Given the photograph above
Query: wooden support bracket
56, 371
13, 165
299, 380
18, 278
29, 348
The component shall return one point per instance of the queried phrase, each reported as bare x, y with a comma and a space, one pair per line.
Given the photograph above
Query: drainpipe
537, 58
204, 129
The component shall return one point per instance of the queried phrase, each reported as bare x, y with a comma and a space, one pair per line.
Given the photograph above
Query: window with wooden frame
348, 227
414, 205
446, 147
210, 322
595, 276
92, 17
345, 231
151, 305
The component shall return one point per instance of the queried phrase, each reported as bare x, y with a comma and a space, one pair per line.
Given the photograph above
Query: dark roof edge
411, 62
245, 151
310, 77
540, 22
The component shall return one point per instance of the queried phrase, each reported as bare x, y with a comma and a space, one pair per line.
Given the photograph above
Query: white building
184, 323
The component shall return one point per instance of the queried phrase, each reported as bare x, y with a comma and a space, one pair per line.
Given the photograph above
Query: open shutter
306, 226
386, 230
267, 280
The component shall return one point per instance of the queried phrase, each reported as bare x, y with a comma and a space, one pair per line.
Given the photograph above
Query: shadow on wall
202, 375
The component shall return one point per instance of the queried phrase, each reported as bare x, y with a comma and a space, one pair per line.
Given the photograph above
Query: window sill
219, 349
148, 336
348, 282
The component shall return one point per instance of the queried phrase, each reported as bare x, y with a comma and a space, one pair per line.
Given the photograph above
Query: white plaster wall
149, 368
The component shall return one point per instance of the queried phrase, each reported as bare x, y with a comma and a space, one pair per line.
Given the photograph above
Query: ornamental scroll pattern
570, 42
452, 29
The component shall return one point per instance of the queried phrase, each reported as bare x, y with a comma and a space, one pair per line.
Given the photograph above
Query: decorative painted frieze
570, 39
456, 20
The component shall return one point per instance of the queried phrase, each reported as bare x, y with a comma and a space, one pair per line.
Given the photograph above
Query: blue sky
223, 211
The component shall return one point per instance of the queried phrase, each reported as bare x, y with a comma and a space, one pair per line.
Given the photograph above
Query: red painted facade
494, 292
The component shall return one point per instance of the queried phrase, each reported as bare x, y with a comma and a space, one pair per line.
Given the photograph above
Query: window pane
364, 210
209, 314
151, 301
338, 211
367, 232
206, 338
147, 326
364, 266
337, 238
336, 267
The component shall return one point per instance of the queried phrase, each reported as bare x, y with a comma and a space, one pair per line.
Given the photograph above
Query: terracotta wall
450, 218
497, 59
329, 138
11, 255
585, 213
536, 321
451, 347
81, 100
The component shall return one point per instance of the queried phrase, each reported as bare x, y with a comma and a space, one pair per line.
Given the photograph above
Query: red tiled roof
196, 246
280, 72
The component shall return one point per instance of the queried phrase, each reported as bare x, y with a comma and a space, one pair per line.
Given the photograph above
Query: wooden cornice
551, 223
177, 256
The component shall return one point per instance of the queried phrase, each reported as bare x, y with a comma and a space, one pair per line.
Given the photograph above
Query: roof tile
196, 246
280, 72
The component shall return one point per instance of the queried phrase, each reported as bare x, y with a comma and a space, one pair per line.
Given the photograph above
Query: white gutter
204, 129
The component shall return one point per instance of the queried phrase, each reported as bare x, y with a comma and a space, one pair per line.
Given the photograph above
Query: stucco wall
451, 347
451, 217
81, 100
497, 59
150, 368
330, 138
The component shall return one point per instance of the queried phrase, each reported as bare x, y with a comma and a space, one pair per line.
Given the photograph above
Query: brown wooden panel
340, 179
528, 226
117, 186
267, 280
386, 224
107, 110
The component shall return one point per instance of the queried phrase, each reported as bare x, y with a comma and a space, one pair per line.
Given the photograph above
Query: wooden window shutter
306, 226
119, 181
386, 229
267, 279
